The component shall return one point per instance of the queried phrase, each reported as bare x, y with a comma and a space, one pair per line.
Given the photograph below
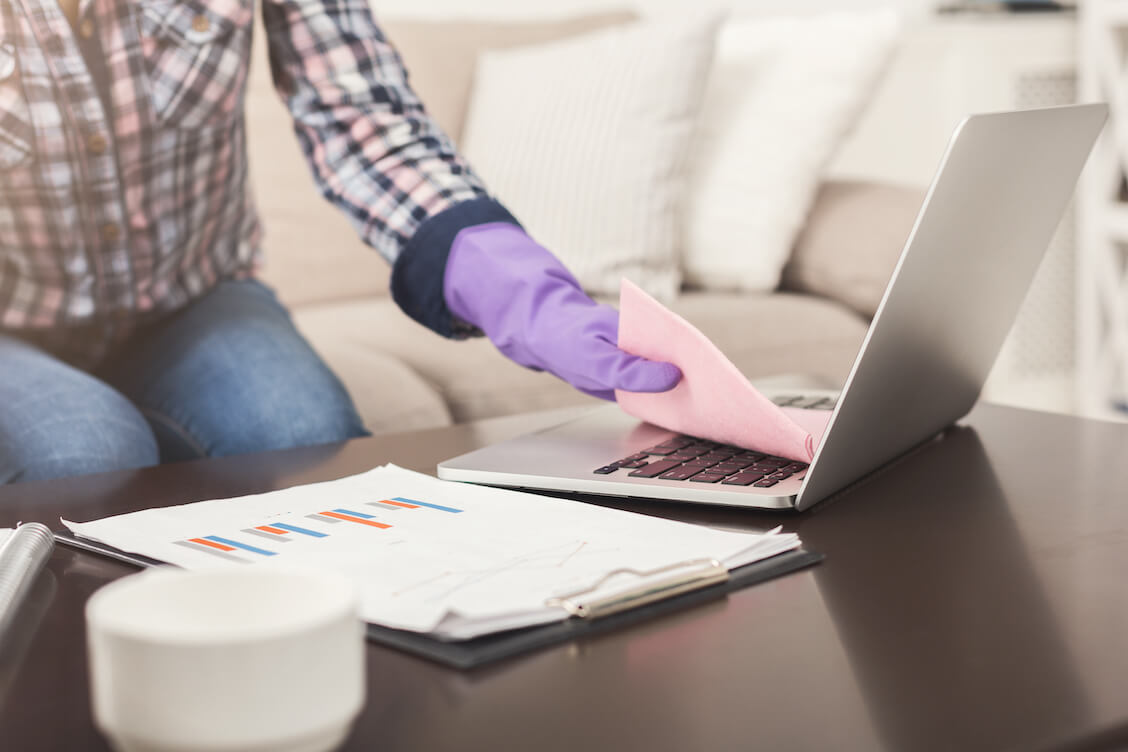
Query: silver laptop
989, 215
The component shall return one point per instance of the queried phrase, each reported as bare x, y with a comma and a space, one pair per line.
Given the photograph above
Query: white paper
462, 561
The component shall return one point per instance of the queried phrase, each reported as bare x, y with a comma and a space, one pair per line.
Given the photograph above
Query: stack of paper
452, 560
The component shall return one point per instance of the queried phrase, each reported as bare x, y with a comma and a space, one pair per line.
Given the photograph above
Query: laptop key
695, 451
707, 478
631, 463
765, 483
780, 476
742, 479
606, 469
654, 469
680, 473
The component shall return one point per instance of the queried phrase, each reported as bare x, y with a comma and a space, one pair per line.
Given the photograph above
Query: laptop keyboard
698, 461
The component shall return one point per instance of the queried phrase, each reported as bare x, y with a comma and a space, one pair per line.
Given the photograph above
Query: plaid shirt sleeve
373, 149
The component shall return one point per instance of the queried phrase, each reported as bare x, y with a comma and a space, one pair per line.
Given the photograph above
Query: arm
461, 262
373, 150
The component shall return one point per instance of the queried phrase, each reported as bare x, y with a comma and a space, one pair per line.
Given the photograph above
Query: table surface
974, 597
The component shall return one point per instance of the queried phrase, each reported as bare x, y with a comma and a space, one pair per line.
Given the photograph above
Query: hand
533, 309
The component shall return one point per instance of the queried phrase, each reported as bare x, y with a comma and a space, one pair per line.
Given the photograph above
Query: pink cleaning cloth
713, 400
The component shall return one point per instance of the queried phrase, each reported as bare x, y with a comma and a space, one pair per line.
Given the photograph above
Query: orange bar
398, 504
270, 529
213, 544
350, 518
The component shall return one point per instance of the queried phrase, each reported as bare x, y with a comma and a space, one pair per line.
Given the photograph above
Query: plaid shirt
123, 166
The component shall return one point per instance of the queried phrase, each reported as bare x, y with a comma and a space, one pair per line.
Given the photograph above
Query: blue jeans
227, 374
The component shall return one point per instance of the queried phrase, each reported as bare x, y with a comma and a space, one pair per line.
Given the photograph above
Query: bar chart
249, 546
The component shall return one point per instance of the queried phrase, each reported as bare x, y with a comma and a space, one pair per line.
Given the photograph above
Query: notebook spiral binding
22, 557
703, 573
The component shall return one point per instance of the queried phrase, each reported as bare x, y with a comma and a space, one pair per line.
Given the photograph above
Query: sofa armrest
851, 242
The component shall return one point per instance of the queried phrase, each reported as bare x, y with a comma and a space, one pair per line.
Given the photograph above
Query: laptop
988, 217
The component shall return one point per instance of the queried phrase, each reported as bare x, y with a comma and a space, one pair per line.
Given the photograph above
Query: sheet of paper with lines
450, 559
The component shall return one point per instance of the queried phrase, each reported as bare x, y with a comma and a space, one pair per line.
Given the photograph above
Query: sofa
403, 376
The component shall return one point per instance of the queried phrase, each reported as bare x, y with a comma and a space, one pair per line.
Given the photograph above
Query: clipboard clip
704, 573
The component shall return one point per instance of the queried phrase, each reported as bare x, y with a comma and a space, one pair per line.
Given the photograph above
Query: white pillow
782, 95
585, 140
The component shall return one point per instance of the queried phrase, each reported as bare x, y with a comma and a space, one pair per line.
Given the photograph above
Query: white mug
232, 660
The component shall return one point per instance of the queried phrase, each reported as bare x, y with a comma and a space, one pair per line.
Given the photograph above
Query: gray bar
268, 536
210, 550
382, 505
322, 518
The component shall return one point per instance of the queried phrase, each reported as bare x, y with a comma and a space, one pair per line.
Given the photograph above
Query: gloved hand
533, 309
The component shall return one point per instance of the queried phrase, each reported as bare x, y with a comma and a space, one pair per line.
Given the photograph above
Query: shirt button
110, 233
86, 28
200, 23
97, 143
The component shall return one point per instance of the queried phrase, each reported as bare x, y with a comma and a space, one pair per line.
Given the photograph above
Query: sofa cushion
852, 241
441, 56
389, 395
586, 140
763, 334
470, 377
783, 93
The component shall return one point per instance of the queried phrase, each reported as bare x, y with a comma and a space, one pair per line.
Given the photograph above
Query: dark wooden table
974, 597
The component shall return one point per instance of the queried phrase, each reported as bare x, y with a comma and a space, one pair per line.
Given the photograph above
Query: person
132, 328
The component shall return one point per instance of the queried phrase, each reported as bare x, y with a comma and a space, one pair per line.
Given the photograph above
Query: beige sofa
403, 376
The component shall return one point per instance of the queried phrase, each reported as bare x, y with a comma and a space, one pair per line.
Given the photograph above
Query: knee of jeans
107, 433
296, 424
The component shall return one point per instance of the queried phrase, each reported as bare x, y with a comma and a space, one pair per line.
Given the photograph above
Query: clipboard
688, 584
489, 649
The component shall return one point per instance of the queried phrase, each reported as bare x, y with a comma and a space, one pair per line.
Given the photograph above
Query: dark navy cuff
417, 276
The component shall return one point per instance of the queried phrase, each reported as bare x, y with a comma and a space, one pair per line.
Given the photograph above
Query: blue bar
425, 504
296, 529
236, 544
362, 515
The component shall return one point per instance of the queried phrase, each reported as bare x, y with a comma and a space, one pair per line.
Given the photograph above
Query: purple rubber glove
532, 308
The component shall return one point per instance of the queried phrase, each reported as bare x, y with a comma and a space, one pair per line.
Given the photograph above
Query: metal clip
709, 572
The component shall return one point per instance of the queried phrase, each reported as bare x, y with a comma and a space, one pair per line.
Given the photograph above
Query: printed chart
427, 555
249, 544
